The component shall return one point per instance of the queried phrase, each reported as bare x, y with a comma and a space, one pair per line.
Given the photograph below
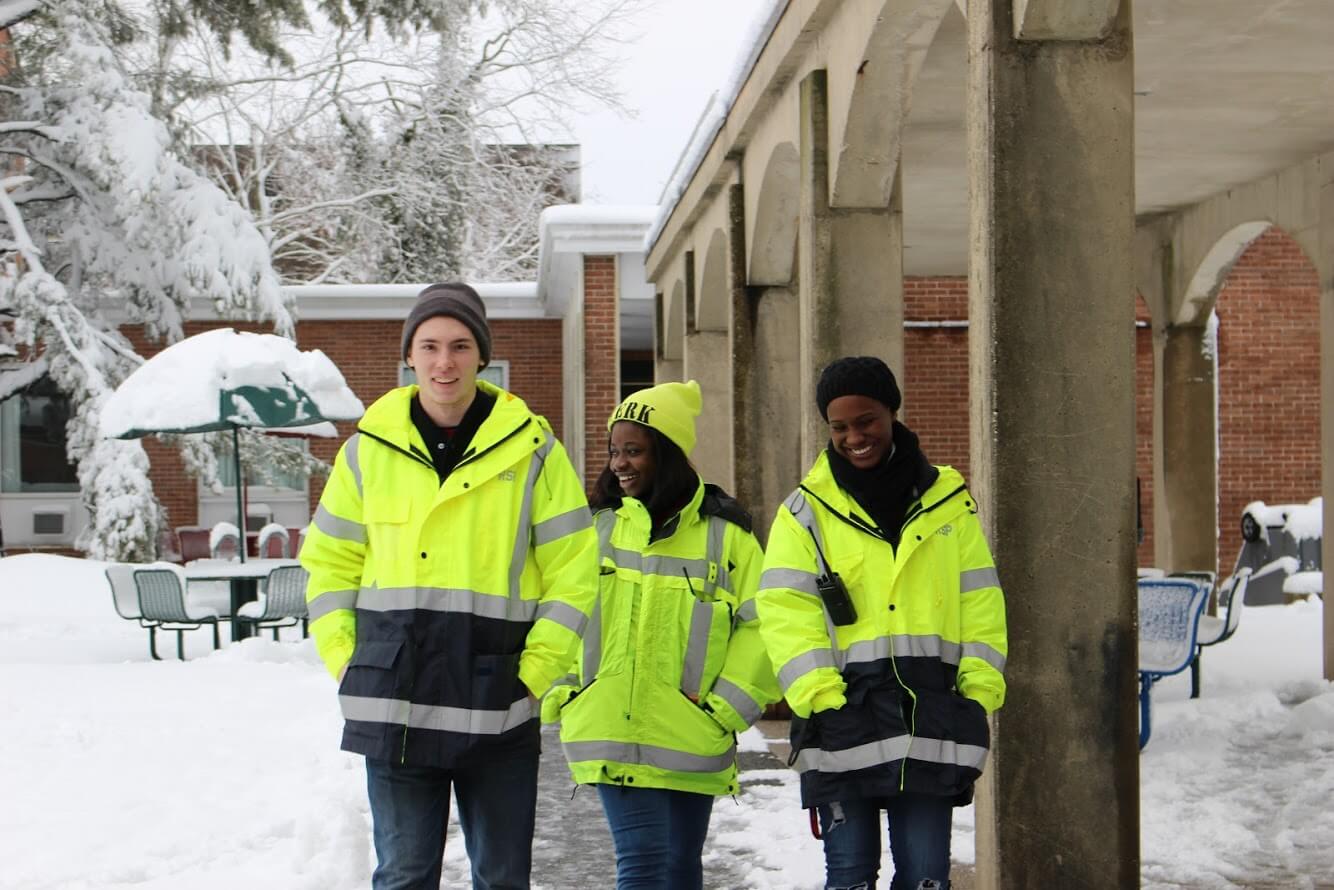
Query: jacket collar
635, 513
937, 505
389, 419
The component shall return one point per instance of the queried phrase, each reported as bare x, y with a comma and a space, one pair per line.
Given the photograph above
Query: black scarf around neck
887, 491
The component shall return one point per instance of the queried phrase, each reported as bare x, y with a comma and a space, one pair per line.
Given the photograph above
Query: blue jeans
659, 836
919, 840
410, 811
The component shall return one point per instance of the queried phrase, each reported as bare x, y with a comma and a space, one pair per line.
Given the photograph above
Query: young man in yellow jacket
453, 566
882, 613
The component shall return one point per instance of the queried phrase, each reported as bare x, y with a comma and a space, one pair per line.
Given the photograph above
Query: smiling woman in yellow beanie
669, 408
674, 647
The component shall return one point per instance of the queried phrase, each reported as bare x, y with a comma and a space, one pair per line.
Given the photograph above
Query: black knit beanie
857, 375
456, 300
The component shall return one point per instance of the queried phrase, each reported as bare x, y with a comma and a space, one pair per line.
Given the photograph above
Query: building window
254, 478
497, 373
32, 440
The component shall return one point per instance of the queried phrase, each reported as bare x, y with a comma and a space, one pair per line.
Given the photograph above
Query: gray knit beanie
456, 300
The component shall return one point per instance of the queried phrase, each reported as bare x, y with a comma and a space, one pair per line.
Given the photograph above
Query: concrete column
850, 269
1189, 541
1052, 355
665, 369
867, 260
817, 337
746, 386
775, 463
708, 359
1325, 269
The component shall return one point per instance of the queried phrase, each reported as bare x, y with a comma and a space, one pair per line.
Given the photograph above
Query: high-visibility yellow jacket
449, 603
897, 700
672, 665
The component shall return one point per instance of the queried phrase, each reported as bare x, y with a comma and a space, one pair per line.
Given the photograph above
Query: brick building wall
366, 352
934, 378
1144, 427
935, 383
1268, 385
601, 360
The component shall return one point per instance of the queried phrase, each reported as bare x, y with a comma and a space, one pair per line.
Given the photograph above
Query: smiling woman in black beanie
882, 613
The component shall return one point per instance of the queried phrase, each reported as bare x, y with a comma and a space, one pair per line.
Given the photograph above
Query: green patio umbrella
225, 380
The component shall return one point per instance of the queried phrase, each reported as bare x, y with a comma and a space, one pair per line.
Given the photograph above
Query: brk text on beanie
669, 408
456, 300
857, 375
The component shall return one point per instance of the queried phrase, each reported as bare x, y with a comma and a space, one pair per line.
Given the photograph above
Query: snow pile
179, 387
1301, 521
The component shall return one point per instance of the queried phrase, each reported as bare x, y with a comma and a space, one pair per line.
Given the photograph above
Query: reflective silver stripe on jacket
697, 647
649, 755
337, 527
802, 511
792, 579
331, 601
593, 643
713, 556
523, 537
564, 614
557, 527
701, 613
802, 665
748, 612
888, 751
445, 599
976, 579
437, 717
734, 695
673, 567
917, 646
352, 454
986, 653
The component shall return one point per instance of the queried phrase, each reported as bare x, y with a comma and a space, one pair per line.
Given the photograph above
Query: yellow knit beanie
669, 408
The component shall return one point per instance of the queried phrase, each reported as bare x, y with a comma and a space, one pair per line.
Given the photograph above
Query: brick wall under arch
1268, 383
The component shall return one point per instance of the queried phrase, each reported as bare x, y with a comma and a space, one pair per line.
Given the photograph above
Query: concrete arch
934, 178
712, 294
672, 336
869, 128
774, 242
1211, 271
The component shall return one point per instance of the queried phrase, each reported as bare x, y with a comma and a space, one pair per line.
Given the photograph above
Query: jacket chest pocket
388, 532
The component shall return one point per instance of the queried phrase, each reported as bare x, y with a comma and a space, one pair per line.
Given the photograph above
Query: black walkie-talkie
837, 602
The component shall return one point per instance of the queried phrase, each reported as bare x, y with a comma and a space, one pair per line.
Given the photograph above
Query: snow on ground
224, 771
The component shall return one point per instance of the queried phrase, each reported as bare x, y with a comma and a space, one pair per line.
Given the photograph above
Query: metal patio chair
161, 595
283, 603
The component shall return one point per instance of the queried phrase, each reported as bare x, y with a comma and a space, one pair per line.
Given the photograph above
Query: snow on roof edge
712, 117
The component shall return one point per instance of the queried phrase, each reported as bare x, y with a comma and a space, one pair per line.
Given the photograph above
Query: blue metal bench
1169, 620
